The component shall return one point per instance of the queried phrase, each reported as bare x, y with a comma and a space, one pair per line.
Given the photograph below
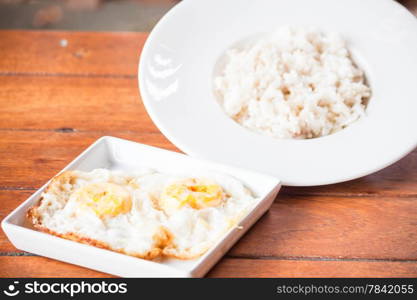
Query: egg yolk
105, 199
195, 193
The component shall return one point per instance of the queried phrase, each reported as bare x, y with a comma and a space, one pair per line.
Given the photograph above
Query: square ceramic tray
117, 154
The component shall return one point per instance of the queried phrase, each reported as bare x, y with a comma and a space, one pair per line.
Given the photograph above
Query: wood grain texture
302, 268
32, 266
87, 53
335, 227
82, 104
313, 227
30, 158
35, 266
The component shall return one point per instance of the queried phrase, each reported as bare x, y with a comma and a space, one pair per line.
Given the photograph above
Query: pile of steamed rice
293, 83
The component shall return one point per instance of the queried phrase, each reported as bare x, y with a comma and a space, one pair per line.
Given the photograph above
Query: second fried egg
198, 209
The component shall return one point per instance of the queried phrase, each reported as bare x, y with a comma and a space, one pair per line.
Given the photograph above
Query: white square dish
118, 154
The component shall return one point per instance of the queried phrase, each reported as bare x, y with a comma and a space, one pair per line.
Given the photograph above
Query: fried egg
144, 214
198, 209
101, 208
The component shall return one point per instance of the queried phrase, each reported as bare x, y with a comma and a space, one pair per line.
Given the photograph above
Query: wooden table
56, 99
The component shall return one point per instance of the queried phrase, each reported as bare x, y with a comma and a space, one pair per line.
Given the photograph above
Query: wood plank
334, 227
313, 227
87, 53
29, 159
83, 104
302, 268
26, 153
32, 266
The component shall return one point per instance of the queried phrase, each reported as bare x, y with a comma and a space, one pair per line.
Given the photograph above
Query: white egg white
146, 230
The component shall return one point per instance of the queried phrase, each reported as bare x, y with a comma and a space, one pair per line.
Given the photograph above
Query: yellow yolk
195, 193
104, 199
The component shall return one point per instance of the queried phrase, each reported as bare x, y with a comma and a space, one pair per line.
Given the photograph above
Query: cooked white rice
293, 83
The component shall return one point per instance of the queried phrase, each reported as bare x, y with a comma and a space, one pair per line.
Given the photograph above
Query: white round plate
176, 72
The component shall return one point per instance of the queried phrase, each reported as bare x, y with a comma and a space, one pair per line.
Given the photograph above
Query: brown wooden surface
35, 266
24, 52
55, 101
